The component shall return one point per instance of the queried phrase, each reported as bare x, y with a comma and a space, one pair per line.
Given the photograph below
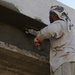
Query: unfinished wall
18, 55
17, 37
39, 8
14, 61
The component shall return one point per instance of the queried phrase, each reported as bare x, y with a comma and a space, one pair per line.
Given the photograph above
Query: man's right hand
36, 42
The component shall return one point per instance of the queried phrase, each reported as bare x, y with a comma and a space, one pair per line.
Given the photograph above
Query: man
62, 39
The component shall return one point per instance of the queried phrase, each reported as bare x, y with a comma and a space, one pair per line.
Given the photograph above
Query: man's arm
38, 39
53, 30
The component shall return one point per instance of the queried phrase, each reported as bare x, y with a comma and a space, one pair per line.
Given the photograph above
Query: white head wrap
62, 14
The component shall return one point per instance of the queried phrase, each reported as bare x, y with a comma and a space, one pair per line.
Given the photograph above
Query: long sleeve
52, 30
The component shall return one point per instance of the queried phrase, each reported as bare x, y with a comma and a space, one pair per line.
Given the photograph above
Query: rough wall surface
18, 55
17, 37
14, 61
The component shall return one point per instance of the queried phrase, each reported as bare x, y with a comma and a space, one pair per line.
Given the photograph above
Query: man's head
53, 17
57, 12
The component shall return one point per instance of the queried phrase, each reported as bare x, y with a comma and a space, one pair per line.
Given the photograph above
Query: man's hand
36, 42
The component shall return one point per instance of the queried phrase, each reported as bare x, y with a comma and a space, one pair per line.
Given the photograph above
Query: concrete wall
17, 37
39, 8
15, 61
18, 56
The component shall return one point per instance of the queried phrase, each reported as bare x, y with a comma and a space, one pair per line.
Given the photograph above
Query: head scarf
62, 14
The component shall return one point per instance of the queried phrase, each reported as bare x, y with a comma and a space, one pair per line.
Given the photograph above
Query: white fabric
62, 43
60, 11
65, 69
62, 14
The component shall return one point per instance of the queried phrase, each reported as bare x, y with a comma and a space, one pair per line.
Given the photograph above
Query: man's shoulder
61, 22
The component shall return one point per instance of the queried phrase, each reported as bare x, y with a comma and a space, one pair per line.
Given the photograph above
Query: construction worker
62, 40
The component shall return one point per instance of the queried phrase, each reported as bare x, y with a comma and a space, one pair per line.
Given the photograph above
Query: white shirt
62, 41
